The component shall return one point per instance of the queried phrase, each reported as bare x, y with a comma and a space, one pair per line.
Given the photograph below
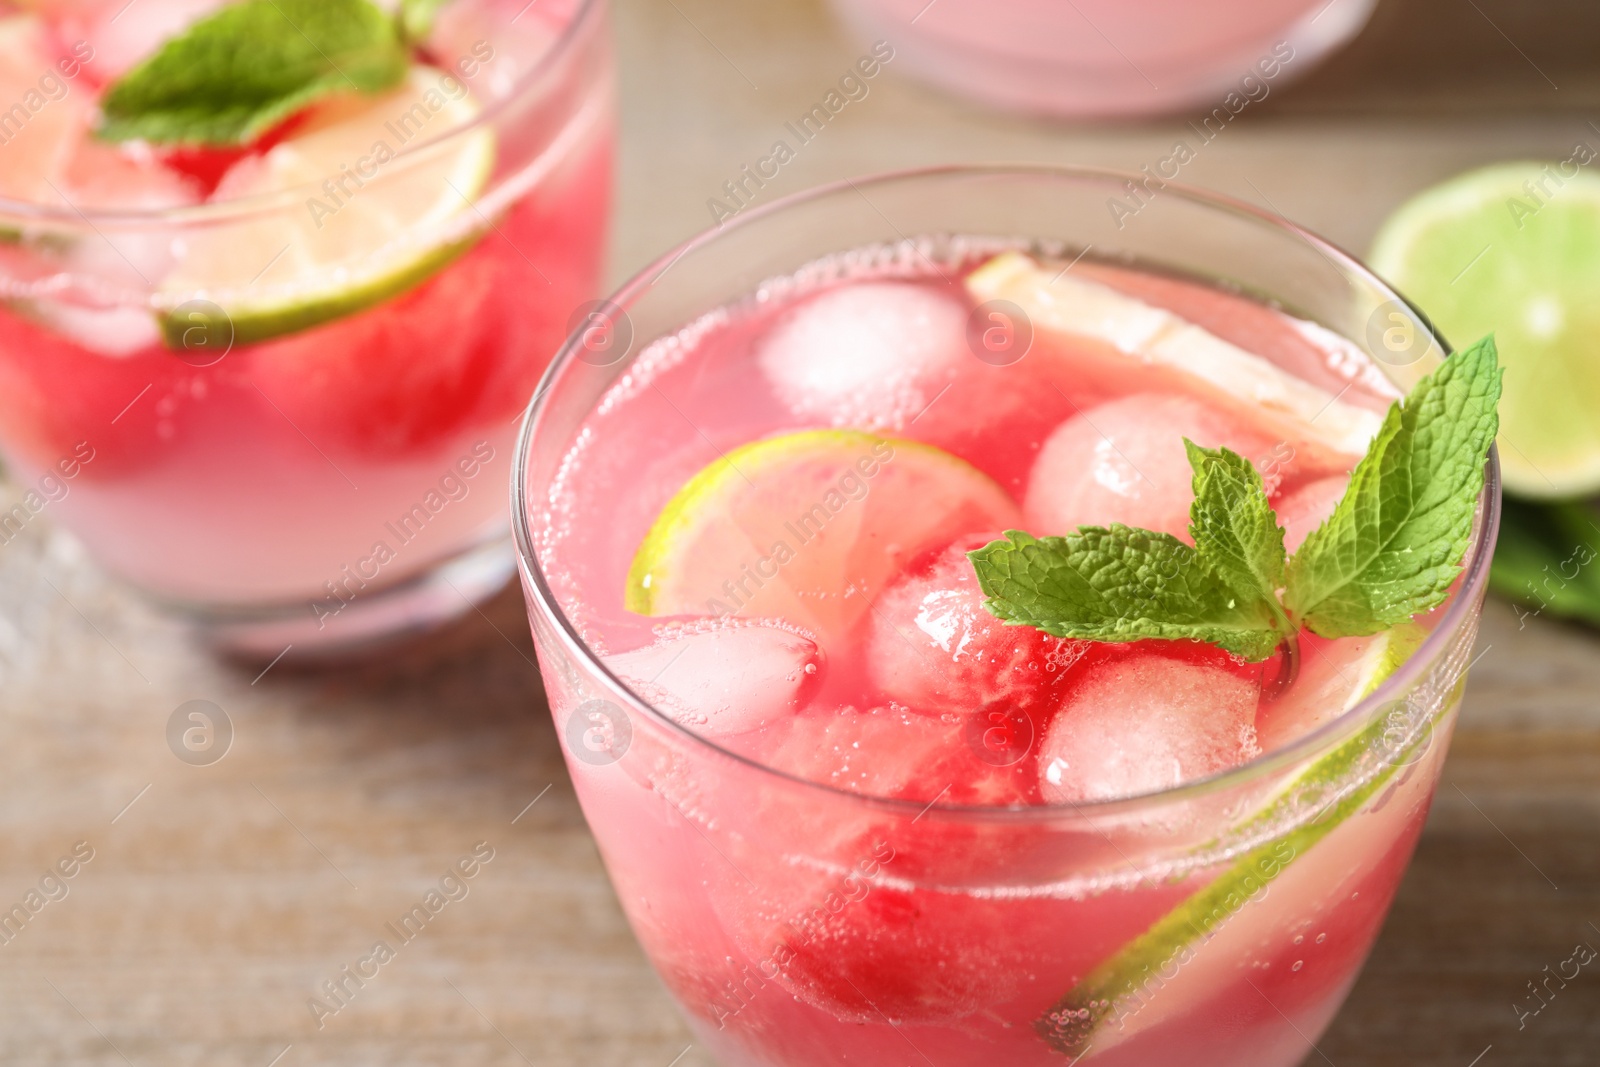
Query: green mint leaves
1390, 550
1234, 527
1120, 584
1394, 544
234, 75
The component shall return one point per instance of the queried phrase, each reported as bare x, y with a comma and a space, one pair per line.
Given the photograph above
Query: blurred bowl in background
1106, 58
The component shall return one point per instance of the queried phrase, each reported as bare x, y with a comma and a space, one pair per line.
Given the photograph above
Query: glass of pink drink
274, 384
1107, 58
851, 817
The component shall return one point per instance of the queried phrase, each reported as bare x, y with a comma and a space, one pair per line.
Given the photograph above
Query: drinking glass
341, 480
798, 924
1108, 58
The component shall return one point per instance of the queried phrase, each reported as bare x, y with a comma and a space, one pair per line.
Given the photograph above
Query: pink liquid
798, 927
332, 461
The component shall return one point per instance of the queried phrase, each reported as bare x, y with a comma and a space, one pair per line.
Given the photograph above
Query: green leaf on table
1395, 541
1543, 559
1120, 584
235, 74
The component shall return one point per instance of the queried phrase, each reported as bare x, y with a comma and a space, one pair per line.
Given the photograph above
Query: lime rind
1215, 369
389, 240
253, 323
909, 497
654, 568
1512, 249
1349, 776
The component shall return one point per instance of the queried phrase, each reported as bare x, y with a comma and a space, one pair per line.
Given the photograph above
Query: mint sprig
1390, 550
1394, 543
1118, 583
234, 75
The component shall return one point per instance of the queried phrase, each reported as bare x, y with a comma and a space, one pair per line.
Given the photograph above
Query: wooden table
218, 898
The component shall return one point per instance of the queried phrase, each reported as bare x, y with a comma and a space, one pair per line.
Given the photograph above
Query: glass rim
244, 207
1474, 574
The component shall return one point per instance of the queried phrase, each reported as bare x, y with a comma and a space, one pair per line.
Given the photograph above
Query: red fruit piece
891, 752
459, 352
934, 647
1306, 508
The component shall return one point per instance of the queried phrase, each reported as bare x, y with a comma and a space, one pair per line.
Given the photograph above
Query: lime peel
1121, 985
1511, 248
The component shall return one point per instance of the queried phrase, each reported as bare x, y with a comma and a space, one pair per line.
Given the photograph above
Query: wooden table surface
218, 898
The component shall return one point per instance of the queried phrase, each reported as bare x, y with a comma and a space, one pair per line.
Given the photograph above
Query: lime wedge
372, 224
1515, 249
808, 527
1132, 332
1189, 953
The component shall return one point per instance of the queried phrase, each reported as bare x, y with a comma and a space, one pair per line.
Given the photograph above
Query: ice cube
1146, 723
725, 678
870, 355
1124, 461
121, 39
1306, 508
934, 647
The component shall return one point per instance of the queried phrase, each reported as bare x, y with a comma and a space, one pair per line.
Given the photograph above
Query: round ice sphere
1124, 461
1146, 723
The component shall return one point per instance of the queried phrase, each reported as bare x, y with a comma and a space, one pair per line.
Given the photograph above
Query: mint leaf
1543, 560
1120, 584
232, 76
1233, 526
1394, 543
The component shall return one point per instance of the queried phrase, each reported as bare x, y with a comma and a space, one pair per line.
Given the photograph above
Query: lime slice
1383, 656
807, 527
372, 224
1133, 333
1514, 249
1194, 950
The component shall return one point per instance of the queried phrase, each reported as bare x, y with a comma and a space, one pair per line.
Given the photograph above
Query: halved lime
373, 222
1514, 249
807, 527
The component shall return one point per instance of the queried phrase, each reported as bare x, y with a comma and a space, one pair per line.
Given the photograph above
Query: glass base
366, 623
1113, 85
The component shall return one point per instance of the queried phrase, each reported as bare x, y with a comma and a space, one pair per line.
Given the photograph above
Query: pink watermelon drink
880, 777
271, 311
